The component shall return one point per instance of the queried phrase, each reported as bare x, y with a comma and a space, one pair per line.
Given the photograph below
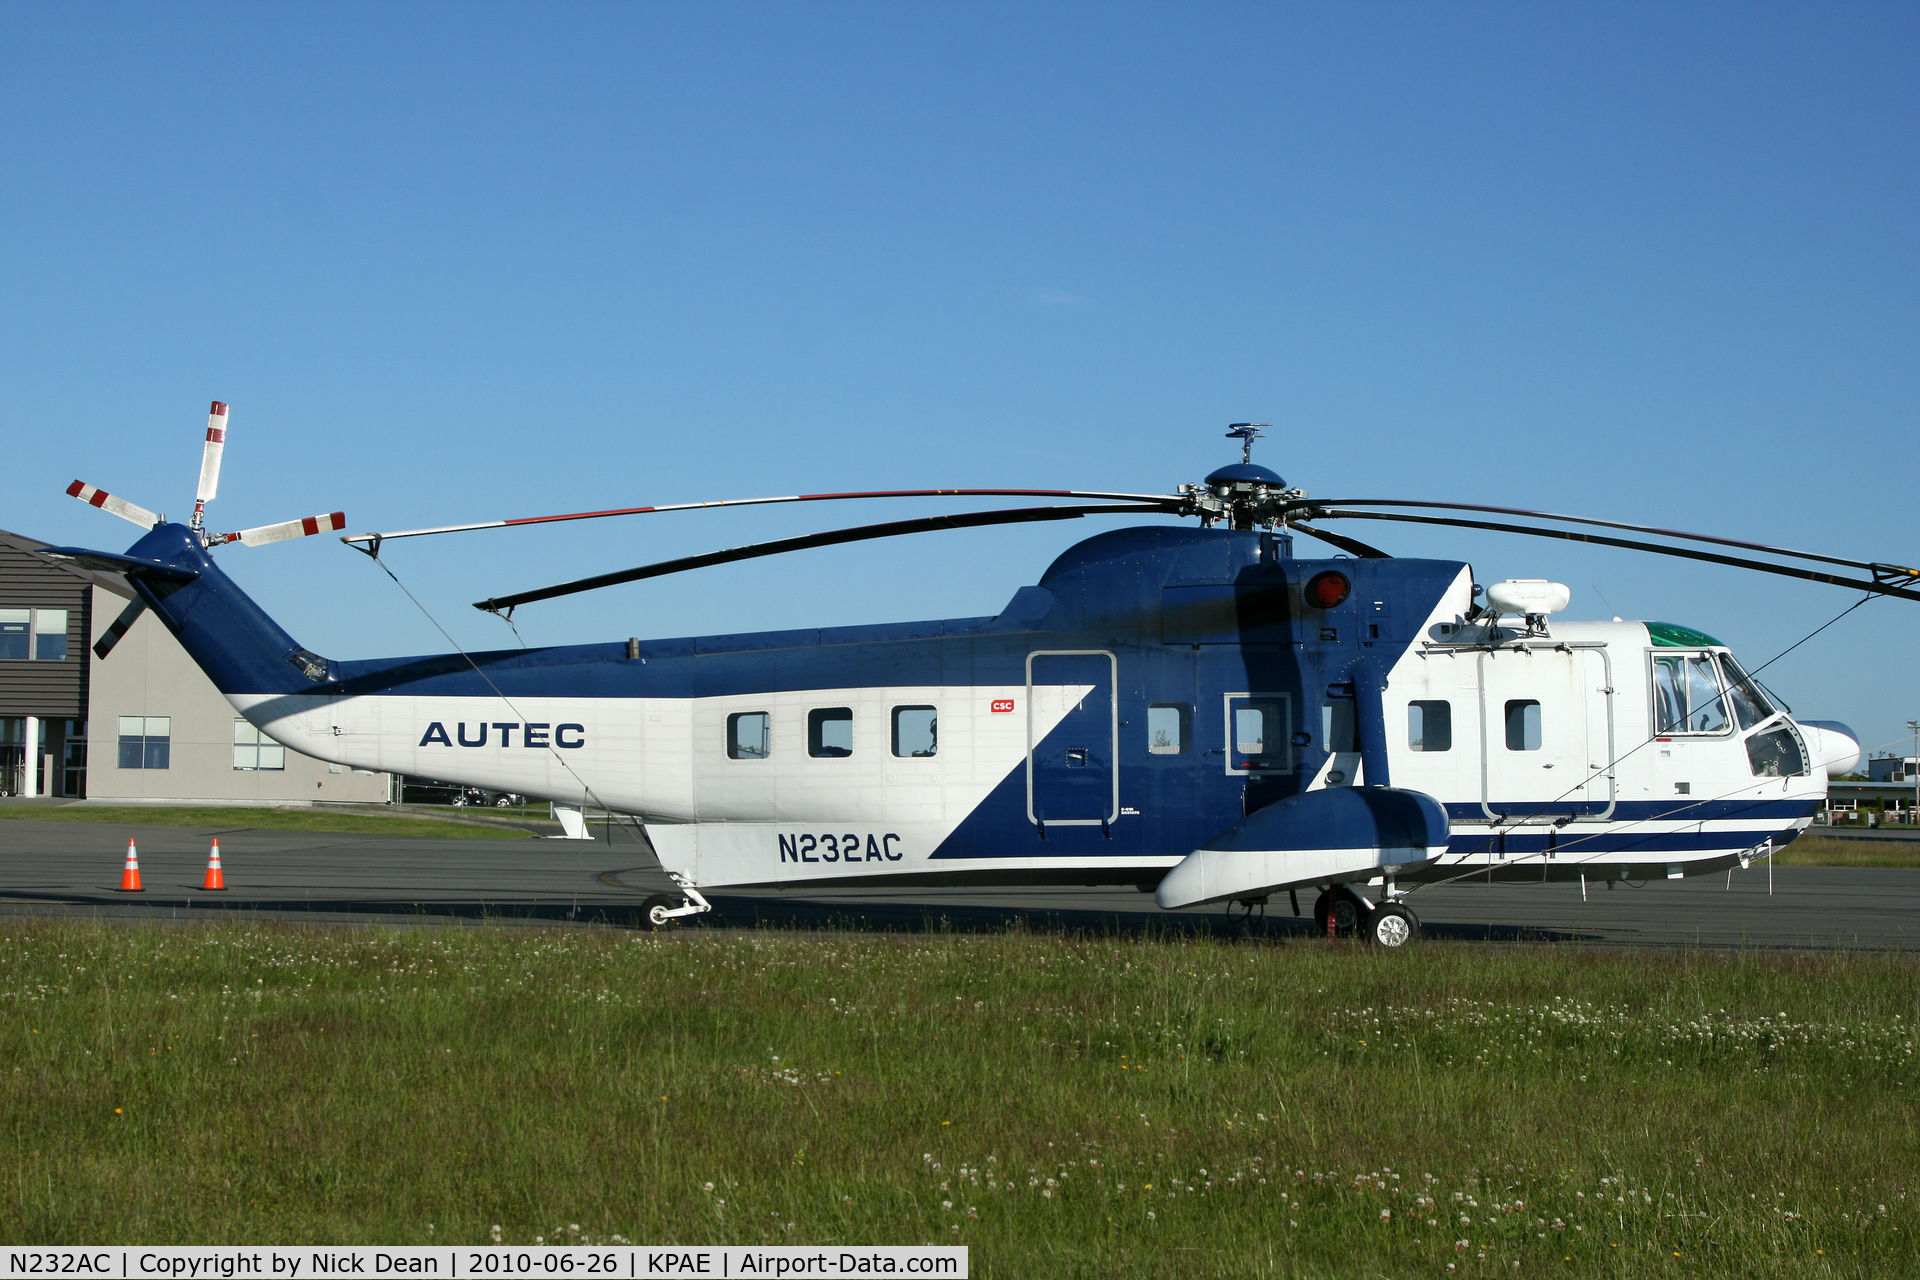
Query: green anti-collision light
1675, 636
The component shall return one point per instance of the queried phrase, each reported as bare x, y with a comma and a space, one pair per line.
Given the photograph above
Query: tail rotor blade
210, 456
113, 506
306, 528
121, 625
210, 461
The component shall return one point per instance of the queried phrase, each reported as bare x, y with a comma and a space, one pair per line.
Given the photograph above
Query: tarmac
72, 869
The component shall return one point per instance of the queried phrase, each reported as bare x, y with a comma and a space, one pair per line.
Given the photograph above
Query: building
143, 724
1892, 769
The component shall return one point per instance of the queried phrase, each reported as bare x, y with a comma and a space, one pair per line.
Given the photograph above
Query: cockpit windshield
1687, 696
1750, 705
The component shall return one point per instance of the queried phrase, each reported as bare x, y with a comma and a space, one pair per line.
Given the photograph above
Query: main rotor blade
1891, 570
926, 524
1352, 546
1169, 499
1567, 535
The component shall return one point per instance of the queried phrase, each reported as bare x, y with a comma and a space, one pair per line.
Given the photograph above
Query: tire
502, 803
1392, 925
1345, 908
653, 911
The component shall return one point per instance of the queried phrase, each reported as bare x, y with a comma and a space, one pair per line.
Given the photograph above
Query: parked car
431, 791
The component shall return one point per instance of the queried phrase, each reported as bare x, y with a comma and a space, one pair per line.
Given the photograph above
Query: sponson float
1197, 711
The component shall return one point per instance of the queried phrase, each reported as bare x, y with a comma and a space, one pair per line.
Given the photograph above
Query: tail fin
240, 648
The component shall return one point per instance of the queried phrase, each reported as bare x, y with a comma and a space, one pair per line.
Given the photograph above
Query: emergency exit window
830, 731
1169, 728
1523, 725
1430, 725
750, 735
916, 731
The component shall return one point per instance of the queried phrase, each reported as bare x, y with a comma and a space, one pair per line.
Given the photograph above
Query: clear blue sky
454, 262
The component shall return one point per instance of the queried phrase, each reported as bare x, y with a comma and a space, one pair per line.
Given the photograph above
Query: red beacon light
1327, 589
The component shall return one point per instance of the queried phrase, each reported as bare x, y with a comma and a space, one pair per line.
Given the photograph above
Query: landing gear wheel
1392, 925
654, 910
1345, 909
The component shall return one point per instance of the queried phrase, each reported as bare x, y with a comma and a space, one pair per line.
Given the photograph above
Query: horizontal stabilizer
111, 505
1332, 836
132, 566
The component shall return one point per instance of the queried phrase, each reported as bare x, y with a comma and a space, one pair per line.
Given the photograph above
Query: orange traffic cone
130, 874
214, 879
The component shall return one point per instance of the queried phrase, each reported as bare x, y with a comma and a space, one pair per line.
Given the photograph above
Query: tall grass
1083, 1105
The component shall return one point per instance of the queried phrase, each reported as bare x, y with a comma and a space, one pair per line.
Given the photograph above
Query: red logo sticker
1002, 705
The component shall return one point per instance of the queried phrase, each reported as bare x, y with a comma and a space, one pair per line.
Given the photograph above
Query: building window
1430, 726
1523, 725
916, 731
1169, 728
145, 742
255, 750
830, 732
27, 634
749, 735
73, 770
15, 630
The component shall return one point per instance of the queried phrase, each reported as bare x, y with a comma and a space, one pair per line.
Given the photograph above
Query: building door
1546, 734
1073, 778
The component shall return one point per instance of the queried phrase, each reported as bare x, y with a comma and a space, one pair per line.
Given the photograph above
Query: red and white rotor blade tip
306, 528
210, 455
117, 506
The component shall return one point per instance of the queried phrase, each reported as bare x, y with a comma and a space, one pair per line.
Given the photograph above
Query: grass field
1812, 850
1063, 1105
228, 818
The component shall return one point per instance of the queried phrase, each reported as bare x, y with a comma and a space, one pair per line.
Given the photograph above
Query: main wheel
1392, 925
1341, 904
654, 910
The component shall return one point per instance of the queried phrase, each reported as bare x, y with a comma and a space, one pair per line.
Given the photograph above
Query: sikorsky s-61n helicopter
1194, 710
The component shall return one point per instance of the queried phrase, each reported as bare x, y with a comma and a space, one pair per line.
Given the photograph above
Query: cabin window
1776, 754
1750, 706
1523, 724
916, 731
1169, 728
1339, 728
146, 742
253, 750
1430, 726
830, 732
1686, 695
749, 735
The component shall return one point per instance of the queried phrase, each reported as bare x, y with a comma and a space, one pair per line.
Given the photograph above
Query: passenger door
1546, 731
1073, 777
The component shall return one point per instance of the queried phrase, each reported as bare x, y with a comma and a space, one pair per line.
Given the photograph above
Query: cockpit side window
1776, 754
1686, 695
1750, 705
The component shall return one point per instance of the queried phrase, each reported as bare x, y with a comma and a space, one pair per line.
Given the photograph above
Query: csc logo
1002, 705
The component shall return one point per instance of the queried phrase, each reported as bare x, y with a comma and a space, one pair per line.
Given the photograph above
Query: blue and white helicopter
1196, 711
